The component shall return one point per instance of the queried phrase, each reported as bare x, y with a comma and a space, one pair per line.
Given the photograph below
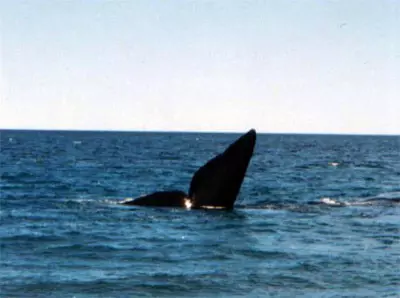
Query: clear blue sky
222, 65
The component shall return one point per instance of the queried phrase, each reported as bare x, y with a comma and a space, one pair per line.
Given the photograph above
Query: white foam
188, 204
126, 200
212, 207
115, 202
389, 195
329, 201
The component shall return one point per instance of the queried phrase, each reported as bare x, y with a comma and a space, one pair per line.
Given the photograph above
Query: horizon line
197, 131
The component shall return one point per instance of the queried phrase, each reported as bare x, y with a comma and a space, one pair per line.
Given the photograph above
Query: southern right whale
215, 185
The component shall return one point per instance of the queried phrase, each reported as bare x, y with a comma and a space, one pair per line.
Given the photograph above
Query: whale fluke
218, 182
215, 185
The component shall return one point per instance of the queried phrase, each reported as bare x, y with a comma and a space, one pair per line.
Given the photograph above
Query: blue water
64, 235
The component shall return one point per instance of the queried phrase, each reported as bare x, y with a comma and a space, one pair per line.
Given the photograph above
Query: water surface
64, 235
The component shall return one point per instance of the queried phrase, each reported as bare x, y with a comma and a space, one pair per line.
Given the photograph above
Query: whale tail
215, 185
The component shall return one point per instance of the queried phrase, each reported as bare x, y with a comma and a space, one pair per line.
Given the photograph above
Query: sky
205, 65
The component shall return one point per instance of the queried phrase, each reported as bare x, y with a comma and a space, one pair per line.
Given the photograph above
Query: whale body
215, 185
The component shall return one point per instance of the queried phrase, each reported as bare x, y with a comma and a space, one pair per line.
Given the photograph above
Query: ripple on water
64, 234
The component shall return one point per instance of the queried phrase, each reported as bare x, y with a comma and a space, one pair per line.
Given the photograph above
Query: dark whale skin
215, 185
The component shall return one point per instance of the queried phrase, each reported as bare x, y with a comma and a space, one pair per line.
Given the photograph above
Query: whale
215, 185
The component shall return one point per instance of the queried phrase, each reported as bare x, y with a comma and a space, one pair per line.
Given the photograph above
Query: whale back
217, 183
173, 198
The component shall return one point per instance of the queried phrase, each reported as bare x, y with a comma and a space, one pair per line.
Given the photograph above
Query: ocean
317, 216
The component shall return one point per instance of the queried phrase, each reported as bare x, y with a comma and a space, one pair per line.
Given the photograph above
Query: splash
332, 202
188, 203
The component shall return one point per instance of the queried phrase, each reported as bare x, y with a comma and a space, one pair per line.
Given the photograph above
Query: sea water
316, 217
